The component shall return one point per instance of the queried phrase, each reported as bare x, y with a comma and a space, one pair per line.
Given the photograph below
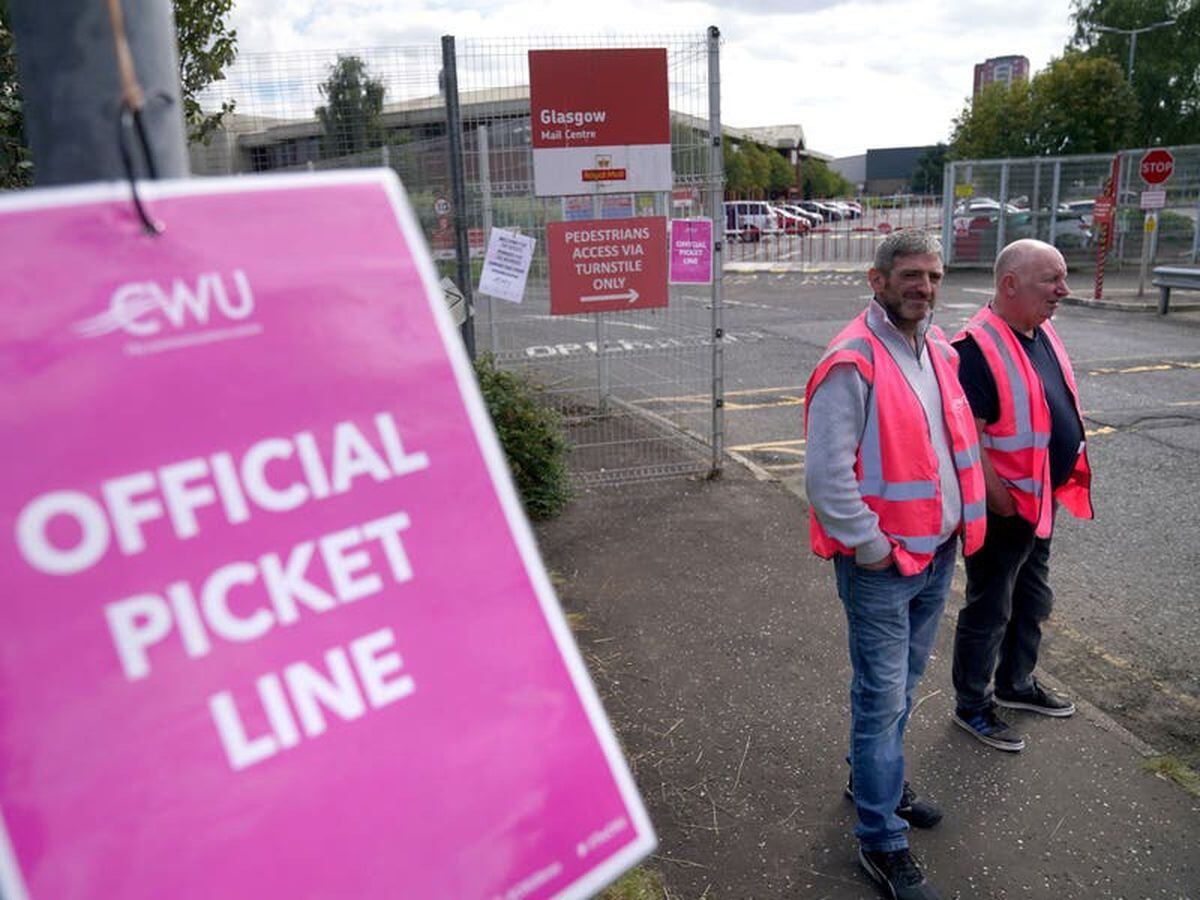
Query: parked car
814, 219
749, 220
975, 235
790, 223
816, 208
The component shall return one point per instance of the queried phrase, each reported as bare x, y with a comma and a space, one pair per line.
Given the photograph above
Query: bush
532, 437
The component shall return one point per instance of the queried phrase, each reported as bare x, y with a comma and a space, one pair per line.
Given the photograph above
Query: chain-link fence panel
808, 235
639, 390
990, 203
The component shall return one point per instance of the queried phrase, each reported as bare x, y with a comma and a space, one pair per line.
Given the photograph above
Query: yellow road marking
779, 446
1156, 367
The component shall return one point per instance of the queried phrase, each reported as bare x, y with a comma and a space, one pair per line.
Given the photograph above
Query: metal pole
485, 190
1149, 230
458, 187
1055, 185
1132, 48
716, 180
603, 367
948, 185
72, 92
1196, 232
1002, 221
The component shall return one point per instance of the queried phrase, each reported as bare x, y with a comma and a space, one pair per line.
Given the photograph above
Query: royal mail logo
209, 307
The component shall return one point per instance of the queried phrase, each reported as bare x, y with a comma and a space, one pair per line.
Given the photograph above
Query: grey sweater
837, 414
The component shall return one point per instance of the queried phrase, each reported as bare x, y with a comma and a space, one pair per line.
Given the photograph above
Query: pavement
718, 644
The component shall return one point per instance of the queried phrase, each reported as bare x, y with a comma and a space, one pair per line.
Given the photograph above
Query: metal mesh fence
1051, 198
636, 388
834, 239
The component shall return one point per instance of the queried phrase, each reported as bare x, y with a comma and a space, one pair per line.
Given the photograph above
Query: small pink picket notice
274, 622
691, 251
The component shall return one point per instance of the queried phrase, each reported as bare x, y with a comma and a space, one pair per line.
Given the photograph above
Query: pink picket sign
274, 622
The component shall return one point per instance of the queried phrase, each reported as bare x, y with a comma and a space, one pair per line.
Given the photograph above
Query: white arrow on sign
631, 295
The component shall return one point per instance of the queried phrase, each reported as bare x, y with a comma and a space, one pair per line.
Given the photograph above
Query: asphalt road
1126, 626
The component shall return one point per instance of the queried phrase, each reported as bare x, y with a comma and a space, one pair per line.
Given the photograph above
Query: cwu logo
147, 309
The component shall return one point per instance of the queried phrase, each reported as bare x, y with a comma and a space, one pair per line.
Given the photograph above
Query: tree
818, 180
927, 175
1081, 104
352, 110
781, 175
16, 168
996, 124
206, 47
1077, 104
1166, 71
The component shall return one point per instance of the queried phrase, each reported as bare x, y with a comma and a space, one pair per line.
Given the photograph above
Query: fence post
72, 92
1002, 213
485, 192
948, 185
458, 189
716, 183
1196, 231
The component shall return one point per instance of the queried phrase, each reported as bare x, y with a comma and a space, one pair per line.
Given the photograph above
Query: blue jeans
892, 621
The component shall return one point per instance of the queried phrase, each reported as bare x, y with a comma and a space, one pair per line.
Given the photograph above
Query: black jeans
1000, 626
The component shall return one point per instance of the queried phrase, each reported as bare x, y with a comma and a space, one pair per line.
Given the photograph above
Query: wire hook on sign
131, 120
132, 103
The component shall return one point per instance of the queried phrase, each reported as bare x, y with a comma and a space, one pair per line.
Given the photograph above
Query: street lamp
1133, 36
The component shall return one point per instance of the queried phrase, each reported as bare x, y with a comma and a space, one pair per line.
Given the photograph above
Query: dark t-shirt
1066, 431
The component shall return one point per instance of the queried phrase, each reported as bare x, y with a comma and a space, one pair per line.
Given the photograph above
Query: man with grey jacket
893, 478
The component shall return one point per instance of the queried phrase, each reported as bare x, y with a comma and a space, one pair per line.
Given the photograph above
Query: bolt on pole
67, 61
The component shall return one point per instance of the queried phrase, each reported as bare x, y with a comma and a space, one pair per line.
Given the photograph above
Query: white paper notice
506, 265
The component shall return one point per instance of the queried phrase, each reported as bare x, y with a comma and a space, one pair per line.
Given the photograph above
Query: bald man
1018, 380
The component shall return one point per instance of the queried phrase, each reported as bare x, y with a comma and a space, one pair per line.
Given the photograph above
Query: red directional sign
1157, 166
607, 265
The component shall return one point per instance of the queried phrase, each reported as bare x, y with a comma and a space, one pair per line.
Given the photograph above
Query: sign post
1156, 167
1102, 221
244, 652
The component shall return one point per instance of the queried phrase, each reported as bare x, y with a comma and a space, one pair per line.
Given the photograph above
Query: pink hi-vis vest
1018, 441
896, 467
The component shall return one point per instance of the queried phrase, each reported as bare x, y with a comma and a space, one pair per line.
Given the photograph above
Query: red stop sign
1157, 166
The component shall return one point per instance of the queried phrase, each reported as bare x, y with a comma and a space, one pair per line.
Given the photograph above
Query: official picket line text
357, 562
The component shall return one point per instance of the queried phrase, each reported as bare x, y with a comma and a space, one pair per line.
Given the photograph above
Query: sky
855, 74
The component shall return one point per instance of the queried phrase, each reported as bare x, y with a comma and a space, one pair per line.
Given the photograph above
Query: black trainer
917, 812
897, 873
989, 728
1039, 700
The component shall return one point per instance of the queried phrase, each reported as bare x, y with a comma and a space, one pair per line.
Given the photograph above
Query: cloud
854, 73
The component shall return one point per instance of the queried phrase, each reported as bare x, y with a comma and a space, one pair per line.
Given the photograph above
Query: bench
1167, 277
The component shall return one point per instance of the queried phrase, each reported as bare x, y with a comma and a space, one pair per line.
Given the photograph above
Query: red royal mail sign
601, 121
1157, 166
607, 265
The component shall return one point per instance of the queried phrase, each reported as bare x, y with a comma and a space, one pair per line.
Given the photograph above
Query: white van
749, 220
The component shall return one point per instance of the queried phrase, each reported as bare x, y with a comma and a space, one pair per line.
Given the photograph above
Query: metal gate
1050, 198
640, 391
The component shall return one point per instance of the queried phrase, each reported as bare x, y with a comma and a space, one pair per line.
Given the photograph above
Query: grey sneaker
989, 728
1039, 700
897, 874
